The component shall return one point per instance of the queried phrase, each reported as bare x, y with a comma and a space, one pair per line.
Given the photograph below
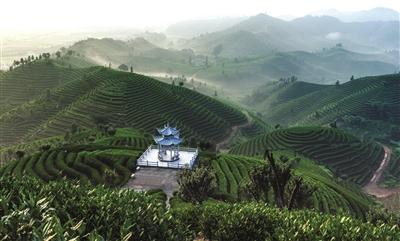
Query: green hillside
374, 98
347, 156
331, 195
88, 156
31, 80
99, 95
261, 65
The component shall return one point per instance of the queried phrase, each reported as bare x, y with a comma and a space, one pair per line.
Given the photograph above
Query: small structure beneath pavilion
167, 151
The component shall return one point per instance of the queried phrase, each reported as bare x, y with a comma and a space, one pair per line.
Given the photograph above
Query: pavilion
167, 151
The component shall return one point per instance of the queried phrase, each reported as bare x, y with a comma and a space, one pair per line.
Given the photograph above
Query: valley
236, 128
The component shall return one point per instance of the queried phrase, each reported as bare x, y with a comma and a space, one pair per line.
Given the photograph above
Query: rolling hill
308, 33
344, 154
331, 195
319, 67
87, 156
87, 97
372, 98
371, 15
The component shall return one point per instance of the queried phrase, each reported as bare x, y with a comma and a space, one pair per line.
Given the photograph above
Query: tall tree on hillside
217, 50
352, 77
289, 190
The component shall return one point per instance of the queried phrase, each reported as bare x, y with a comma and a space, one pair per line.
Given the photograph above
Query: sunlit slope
344, 154
31, 80
125, 99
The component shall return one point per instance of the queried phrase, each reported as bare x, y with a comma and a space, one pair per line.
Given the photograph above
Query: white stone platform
187, 157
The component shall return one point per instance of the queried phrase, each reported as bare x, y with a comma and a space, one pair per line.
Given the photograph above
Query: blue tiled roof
167, 141
167, 130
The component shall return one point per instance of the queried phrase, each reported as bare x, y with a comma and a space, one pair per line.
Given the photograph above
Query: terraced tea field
83, 159
347, 156
333, 196
376, 98
124, 99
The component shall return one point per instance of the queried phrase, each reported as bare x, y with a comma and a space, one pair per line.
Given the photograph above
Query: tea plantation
375, 97
106, 160
331, 195
344, 154
59, 210
97, 95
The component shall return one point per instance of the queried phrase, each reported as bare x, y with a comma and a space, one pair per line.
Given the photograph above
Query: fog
27, 16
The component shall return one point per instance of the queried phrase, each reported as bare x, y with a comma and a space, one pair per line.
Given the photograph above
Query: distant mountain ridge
374, 14
266, 34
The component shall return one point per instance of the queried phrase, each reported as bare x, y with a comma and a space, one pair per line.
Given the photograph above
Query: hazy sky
32, 15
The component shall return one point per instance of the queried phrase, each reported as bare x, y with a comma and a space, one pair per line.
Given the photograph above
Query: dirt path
372, 187
232, 134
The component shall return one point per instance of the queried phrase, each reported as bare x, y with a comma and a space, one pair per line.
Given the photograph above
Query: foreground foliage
59, 210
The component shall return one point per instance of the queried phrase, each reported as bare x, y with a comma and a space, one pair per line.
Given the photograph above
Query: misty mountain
263, 34
107, 50
375, 14
192, 28
325, 66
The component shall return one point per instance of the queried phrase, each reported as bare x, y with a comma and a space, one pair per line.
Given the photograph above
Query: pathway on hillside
233, 132
372, 187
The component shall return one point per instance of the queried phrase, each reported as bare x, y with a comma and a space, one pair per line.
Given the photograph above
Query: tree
181, 83
196, 185
352, 77
337, 83
131, 69
58, 54
110, 176
67, 137
206, 63
289, 190
45, 147
19, 154
111, 130
74, 128
217, 50
48, 94
123, 67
